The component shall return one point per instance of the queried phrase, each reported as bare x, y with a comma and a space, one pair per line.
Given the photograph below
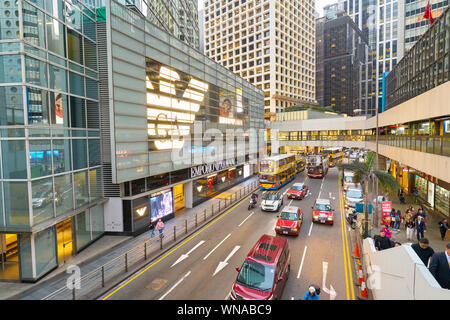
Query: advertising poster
226, 105
386, 208
161, 205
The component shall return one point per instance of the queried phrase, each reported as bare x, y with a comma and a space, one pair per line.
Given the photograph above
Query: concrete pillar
188, 195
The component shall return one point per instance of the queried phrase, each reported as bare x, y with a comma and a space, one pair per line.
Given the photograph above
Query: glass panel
61, 156
45, 251
55, 7
90, 51
76, 84
36, 72
55, 36
97, 221
94, 152
9, 20
91, 89
16, 204
26, 263
11, 106
37, 100
77, 112
2, 222
95, 184
79, 154
33, 25
42, 191
11, 66
81, 188
14, 159
75, 46
89, 28
58, 78
59, 109
40, 158
82, 230
73, 16
63, 194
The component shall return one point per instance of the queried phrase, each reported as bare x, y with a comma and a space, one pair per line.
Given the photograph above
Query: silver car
353, 196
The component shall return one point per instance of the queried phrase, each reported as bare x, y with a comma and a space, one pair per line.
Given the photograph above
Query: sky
319, 5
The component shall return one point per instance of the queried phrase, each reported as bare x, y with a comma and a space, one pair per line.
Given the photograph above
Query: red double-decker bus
317, 166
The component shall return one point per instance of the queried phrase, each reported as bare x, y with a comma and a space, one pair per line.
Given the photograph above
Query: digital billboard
161, 204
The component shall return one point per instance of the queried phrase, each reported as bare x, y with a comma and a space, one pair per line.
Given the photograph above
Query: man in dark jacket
423, 250
382, 242
440, 267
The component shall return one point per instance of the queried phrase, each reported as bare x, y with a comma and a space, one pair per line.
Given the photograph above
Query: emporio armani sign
211, 167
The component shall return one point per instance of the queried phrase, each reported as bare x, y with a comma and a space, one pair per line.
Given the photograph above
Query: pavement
100, 252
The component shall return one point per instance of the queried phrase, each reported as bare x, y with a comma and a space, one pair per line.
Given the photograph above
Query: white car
272, 201
353, 196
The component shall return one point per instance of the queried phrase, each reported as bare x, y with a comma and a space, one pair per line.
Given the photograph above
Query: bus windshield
267, 178
314, 160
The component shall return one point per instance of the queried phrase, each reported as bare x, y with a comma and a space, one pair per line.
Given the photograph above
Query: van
348, 179
264, 273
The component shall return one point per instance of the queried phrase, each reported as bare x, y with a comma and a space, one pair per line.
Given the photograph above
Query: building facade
165, 101
382, 23
415, 24
269, 43
50, 170
341, 55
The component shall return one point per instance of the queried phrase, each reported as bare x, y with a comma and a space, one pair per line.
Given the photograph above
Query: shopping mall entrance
65, 241
9, 250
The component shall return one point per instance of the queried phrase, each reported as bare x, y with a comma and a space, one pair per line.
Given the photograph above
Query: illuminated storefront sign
211, 167
141, 211
173, 100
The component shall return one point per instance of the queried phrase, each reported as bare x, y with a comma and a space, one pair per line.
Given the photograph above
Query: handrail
123, 263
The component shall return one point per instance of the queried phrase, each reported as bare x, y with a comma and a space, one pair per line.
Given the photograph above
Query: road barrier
108, 274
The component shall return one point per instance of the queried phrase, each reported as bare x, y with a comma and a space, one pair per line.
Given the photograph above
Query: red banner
386, 208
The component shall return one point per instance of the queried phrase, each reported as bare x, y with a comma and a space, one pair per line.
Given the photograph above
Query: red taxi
289, 221
264, 272
322, 212
297, 191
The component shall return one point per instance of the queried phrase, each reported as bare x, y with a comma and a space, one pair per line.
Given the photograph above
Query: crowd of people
415, 222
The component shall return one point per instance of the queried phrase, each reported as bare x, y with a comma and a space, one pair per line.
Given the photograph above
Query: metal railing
108, 274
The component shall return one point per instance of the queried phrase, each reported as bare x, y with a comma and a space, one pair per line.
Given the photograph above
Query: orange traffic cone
363, 294
360, 275
356, 252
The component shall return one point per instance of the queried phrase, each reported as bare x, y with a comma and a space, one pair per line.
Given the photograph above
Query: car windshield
348, 178
289, 216
298, 188
256, 276
353, 193
322, 207
271, 196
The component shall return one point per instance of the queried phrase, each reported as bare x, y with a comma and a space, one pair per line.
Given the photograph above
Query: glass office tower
50, 159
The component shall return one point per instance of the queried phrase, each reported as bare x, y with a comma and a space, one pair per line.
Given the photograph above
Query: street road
203, 266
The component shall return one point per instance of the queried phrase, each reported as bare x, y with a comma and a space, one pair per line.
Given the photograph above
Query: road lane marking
330, 291
206, 257
301, 264
223, 264
310, 229
178, 247
175, 285
184, 256
290, 202
246, 219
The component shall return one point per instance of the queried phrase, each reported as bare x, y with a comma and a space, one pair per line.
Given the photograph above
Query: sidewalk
432, 233
103, 250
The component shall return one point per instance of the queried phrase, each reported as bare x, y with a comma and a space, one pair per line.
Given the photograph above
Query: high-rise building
341, 54
415, 24
381, 22
269, 43
50, 170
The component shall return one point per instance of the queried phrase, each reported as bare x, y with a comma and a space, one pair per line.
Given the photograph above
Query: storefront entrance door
9, 259
65, 244
178, 196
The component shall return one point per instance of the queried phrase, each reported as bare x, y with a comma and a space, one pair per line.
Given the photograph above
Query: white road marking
216, 246
330, 291
301, 264
246, 219
184, 256
310, 229
223, 264
290, 202
175, 285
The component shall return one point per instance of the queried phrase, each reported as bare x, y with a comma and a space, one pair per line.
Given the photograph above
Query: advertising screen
161, 205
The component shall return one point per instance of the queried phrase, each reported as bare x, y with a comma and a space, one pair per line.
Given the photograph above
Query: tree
364, 172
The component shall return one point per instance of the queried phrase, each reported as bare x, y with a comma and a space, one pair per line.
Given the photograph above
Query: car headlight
295, 229
278, 227
330, 218
316, 218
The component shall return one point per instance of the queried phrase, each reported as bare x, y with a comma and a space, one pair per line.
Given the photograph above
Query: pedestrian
312, 294
387, 232
160, 227
443, 227
152, 227
397, 244
409, 229
423, 250
398, 221
382, 242
401, 196
420, 228
415, 193
440, 267
392, 224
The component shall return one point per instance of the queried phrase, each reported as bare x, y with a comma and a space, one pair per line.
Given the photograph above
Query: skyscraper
269, 43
